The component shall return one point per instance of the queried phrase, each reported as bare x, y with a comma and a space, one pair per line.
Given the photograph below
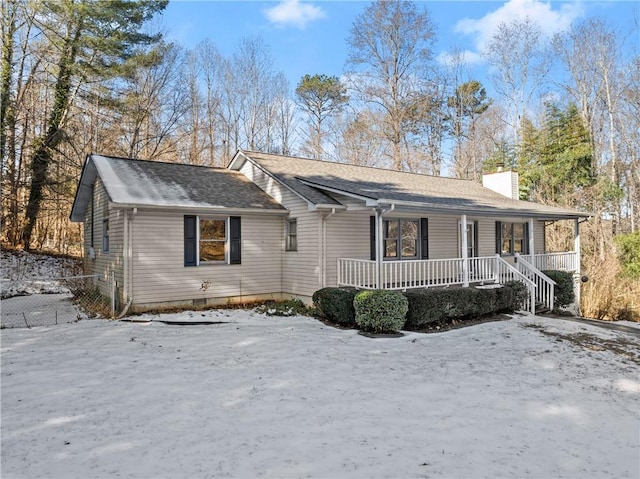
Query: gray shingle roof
152, 183
390, 186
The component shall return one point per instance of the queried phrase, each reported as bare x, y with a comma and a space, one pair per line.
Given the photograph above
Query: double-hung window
211, 240
105, 236
401, 238
291, 239
512, 238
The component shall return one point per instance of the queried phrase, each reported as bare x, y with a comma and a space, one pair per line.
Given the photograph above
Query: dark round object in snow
380, 335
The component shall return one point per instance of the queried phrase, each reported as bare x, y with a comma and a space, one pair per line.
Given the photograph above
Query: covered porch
521, 263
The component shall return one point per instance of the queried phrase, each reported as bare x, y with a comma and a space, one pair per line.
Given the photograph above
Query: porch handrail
563, 260
545, 286
505, 272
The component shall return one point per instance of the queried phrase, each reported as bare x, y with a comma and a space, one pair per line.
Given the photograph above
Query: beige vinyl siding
443, 236
300, 269
348, 236
160, 274
539, 238
104, 263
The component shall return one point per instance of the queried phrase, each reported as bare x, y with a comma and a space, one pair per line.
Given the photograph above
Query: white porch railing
567, 261
505, 273
400, 275
359, 273
545, 286
421, 273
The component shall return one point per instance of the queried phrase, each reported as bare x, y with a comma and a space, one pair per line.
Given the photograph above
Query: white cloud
548, 20
294, 13
467, 57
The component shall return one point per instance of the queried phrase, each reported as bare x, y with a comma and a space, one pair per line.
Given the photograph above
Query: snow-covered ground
23, 273
260, 396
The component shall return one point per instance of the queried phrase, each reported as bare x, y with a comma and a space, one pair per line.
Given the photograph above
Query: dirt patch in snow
621, 346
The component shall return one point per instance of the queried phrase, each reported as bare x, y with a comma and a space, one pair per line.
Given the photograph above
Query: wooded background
80, 76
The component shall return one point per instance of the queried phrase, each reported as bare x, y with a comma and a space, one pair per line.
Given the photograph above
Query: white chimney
503, 182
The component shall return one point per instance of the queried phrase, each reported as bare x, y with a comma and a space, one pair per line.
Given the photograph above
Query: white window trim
106, 232
399, 241
226, 240
512, 238
287, 235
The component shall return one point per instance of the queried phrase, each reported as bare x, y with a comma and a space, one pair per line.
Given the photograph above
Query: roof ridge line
377, 168
161, 162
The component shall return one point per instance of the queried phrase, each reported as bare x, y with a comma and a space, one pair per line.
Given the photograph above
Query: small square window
292, 235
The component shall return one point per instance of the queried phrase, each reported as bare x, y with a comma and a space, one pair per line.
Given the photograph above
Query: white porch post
379, 250
576, 244
465, 251
532, 242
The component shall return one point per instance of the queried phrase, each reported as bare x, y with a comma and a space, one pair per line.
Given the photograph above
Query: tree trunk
44, 146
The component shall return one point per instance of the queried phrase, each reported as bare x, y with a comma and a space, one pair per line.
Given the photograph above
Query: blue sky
311, 36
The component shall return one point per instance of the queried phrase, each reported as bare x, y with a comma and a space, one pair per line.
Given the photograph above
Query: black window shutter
372, 237
498, 237
190, 240
235, 240
525, 246
424, 238
476, 234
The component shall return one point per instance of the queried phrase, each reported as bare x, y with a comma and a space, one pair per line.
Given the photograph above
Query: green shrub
629, 253
336, 304
564, 294
504, 299
380, 311
441, 304
520, 294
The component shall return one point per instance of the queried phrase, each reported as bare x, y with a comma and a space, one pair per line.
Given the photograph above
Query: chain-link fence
51, 301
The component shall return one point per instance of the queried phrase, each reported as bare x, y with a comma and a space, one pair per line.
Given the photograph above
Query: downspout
127, 257
324, 246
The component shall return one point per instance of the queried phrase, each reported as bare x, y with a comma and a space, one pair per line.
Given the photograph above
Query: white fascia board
202, 209
237, 161
323, 206
485, 211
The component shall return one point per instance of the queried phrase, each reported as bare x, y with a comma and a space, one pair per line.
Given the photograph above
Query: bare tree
390, 52
358, 142
520, 65
590, 52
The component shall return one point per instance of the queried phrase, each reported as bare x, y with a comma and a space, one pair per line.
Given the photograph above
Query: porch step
541, 309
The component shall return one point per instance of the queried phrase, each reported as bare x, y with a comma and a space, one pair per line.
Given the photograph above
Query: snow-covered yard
258, 396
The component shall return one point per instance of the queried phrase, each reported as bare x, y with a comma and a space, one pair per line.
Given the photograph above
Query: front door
472, 239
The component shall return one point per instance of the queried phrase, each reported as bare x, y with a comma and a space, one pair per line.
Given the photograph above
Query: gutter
202, 209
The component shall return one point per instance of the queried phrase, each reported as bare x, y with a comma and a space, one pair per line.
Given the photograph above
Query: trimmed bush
441, 304
380, 311
520, 294
336, 304
504, 299
564, 295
